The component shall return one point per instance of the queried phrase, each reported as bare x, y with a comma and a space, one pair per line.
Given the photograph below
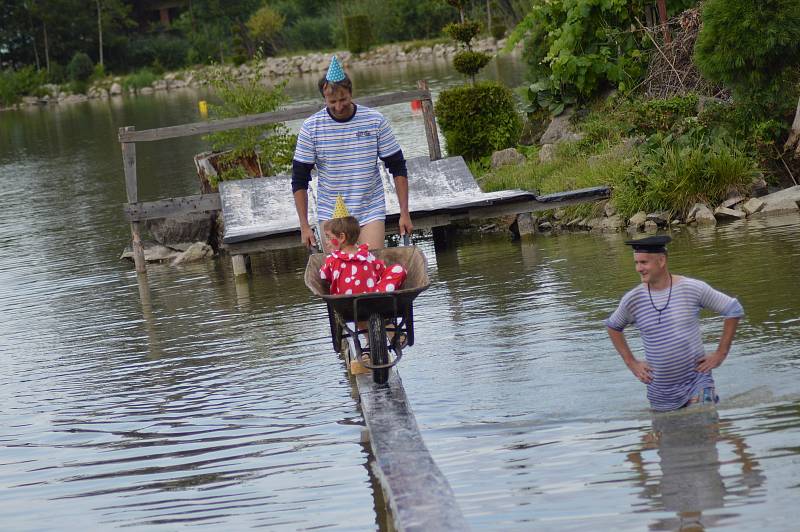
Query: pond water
190, 400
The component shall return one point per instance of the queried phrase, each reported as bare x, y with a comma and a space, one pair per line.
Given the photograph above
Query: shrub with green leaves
578, 48
14, 84
143, 77
358, 33
479, 119
80, 67
273, 143
264, 26
753, 48
470, 63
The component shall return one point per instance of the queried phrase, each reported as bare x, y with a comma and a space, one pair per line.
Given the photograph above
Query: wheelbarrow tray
358, 307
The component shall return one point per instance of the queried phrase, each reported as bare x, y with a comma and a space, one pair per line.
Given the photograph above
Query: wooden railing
136, 212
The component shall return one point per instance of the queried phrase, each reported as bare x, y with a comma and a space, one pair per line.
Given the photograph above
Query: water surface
194, 401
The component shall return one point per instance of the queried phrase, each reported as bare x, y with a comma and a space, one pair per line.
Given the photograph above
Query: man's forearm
401, 186
728, 332
301, 205
621, 345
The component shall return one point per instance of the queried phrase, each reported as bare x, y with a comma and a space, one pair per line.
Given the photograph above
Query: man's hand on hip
711, 361
641, 369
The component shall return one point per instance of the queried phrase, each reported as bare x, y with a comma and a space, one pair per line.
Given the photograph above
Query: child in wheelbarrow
350, 268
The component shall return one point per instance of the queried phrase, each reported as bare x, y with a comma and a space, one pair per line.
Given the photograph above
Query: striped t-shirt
346, 155
673, 347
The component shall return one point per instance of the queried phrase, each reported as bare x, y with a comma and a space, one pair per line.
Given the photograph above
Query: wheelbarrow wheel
378, 350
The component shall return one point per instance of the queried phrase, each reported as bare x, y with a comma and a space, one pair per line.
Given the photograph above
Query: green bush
80, 67
310, 33
14, 84
662, 115
143, 77
752, 47
469, 63
272, 142
57, 74
163, 49
463, 32
479, 119
582, 47
358, 33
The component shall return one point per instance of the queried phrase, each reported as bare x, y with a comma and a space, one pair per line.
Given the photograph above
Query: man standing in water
665, 309
345, 141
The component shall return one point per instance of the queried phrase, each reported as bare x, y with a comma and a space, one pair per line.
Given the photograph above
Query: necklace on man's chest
669, 296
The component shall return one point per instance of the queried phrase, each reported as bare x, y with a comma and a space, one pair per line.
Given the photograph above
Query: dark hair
345, 84
347, 225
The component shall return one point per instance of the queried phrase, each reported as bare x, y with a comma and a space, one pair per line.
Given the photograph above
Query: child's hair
347, 225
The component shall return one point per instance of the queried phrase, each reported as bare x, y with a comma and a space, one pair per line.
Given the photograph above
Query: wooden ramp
418, 495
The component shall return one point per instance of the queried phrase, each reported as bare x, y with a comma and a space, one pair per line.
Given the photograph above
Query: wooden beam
200, 128
132, 192
431, 133
171, 207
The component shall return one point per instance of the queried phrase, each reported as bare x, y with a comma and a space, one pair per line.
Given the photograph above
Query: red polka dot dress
360, 272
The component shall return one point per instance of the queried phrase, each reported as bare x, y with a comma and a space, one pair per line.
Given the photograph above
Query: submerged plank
419, 495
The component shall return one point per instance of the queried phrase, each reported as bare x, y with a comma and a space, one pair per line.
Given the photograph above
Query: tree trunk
46, 48
489, 16
33, 38
100, 31
662, 18
793, 142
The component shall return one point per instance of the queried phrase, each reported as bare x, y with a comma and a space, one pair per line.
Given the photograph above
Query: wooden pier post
431, 133
132, 190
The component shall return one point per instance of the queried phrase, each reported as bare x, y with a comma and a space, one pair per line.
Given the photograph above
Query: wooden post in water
132, 189
432, 134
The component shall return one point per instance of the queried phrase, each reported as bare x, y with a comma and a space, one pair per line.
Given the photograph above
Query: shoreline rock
270, 67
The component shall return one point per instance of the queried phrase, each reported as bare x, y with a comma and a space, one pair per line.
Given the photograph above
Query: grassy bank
657, 155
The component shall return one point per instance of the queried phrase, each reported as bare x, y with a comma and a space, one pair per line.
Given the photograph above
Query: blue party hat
335, 71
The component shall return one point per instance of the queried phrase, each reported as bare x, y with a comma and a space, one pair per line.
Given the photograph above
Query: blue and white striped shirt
673, 347
346, 155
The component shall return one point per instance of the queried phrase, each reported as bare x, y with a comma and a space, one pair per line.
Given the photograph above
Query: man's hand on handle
404, 224
307, 236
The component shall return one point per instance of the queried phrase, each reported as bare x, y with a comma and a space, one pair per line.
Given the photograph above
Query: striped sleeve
728, 307
387, 144
622, 317
305, 151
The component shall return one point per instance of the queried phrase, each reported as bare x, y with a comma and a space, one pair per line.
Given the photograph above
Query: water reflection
690, 480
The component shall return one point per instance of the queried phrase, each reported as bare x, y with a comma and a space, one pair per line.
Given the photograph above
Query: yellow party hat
340, 210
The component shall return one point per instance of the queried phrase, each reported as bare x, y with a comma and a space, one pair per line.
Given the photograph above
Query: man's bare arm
301, 205
639, 368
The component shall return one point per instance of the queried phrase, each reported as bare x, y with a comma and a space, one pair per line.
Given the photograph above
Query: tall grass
143, 77
672, 177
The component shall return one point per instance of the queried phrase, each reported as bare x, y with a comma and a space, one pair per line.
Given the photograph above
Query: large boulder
701, 214
783, 201
196, 252
153, 252
724, 213
506, 157
560, 130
